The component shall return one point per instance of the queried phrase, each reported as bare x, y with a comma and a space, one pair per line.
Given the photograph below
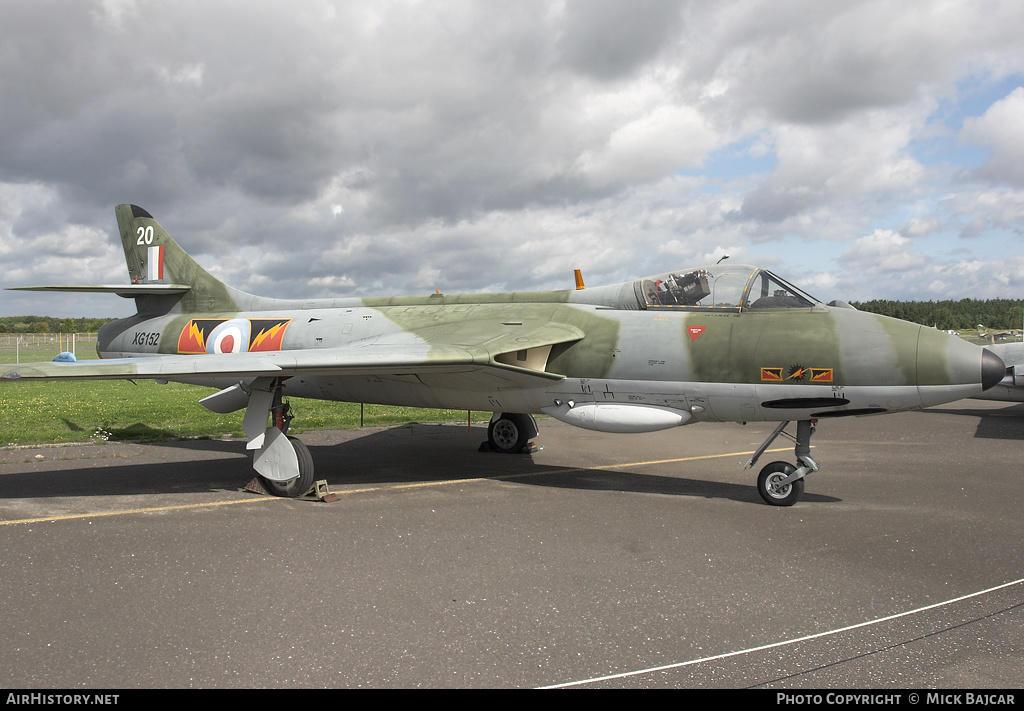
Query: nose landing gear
781, 483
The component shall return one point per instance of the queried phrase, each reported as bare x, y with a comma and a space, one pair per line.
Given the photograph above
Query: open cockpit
737, 287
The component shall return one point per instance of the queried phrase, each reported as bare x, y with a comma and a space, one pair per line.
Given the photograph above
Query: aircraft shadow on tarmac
1004, 423
411, 453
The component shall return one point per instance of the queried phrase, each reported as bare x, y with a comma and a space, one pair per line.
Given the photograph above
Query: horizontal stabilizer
128, 291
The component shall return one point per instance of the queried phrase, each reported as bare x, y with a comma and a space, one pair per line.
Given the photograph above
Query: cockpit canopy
731, 288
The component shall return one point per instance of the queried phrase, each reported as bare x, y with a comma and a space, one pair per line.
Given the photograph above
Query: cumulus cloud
888, 265
883, 251
1000, 128
610, 39
988, 213
818, 166
657, 144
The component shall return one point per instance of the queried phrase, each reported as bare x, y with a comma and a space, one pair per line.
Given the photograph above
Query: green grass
95, 410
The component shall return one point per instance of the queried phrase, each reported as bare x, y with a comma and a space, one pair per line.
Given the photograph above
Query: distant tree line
49, 324
951, 315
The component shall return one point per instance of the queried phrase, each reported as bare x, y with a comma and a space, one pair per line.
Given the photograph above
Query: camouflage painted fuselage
740, 365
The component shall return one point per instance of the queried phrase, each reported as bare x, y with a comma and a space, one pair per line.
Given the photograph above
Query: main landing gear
508, 432
284, 464
781, 483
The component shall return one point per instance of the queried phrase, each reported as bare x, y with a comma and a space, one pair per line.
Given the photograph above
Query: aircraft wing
380, 357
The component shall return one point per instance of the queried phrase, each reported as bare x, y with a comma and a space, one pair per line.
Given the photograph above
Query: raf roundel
229, 337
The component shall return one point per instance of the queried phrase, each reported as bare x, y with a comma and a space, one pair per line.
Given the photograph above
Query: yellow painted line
687, 459
388, 487
122, 512
546, 472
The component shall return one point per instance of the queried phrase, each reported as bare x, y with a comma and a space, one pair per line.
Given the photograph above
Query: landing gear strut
781, 483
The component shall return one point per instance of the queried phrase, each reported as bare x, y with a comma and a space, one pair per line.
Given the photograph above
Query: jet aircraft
984, 332
712, 343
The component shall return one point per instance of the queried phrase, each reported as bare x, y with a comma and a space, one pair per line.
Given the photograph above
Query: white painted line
678, 665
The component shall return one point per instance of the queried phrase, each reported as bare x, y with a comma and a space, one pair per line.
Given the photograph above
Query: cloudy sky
860, 149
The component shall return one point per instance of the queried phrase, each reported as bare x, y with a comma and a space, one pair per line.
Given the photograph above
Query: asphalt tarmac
598, 561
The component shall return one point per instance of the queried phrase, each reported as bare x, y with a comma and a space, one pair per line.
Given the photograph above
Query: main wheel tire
508, 434
300, 484
769, 489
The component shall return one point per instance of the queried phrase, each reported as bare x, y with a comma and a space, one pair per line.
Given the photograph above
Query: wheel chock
256, 487
320, 492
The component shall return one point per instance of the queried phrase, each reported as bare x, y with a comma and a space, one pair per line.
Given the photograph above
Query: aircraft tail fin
162, 274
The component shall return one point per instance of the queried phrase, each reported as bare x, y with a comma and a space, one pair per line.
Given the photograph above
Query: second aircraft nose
992, 369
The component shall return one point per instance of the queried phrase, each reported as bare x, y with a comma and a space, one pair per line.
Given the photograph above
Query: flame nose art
992, 369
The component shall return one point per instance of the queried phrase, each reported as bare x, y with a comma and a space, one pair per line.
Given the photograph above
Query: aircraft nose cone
992, 369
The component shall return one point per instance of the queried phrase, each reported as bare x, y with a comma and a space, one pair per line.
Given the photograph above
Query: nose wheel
781, 483
776, 488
